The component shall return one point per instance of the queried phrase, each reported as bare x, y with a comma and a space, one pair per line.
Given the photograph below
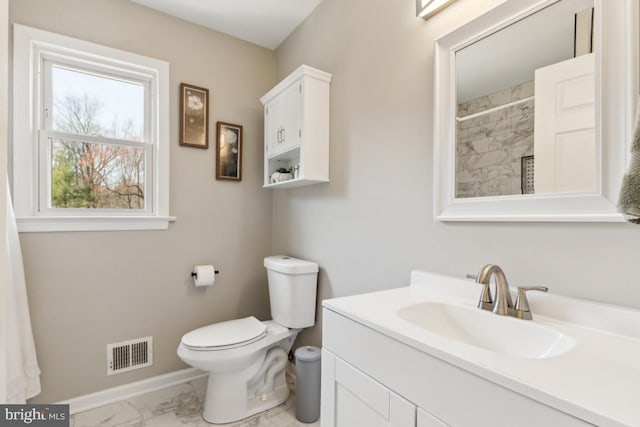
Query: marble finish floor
178, 406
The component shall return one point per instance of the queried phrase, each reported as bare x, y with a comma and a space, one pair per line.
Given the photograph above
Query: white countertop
597, 381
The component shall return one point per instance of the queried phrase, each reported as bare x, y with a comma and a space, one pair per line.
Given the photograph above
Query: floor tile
200, 386
178, 406
114, 415
181, 400
170, 419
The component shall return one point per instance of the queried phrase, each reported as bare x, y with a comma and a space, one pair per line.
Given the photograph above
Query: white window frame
33, 48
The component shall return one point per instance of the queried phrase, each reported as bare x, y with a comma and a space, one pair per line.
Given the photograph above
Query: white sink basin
481, 328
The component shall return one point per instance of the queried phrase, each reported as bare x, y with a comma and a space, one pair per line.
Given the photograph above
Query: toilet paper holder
194, 274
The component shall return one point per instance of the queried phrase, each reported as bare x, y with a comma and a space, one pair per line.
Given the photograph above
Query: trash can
307, 384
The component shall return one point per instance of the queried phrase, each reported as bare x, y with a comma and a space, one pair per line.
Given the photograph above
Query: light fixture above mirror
427, 8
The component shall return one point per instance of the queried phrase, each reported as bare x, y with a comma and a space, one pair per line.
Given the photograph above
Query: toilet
246, 358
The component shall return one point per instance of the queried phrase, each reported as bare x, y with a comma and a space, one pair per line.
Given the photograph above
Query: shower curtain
23, 373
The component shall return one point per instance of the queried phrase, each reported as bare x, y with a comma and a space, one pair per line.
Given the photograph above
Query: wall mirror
534, 111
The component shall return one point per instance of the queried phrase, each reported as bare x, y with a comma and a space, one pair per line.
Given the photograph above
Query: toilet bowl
246, 358
237, 386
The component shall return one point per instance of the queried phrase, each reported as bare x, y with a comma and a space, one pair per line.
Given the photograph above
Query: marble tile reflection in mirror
528, 90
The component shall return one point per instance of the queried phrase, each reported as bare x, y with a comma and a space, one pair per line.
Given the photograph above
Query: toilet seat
225, 335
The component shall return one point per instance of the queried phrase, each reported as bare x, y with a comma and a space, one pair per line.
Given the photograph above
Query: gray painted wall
373, 222
90, 289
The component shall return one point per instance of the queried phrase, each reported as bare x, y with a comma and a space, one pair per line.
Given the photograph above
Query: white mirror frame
616, 57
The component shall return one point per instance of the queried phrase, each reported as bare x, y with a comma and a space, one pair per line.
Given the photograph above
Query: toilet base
214, 414
245, 380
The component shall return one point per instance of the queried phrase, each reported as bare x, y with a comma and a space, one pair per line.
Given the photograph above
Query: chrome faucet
503, 304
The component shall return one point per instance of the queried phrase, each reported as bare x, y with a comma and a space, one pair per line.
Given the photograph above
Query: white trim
30, 45
94, 139
127, 391
498, 108
616, 50
301, 71
93, 223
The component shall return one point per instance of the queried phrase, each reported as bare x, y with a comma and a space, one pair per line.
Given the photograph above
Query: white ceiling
266, 23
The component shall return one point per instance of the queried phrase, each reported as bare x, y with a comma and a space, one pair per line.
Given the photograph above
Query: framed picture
194, 116
229, 152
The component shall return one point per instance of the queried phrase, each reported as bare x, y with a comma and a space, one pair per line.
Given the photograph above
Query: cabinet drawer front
351, 398
425, 419
369, 391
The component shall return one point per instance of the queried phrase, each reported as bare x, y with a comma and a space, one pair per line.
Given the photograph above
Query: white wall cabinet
282, 121
296, 128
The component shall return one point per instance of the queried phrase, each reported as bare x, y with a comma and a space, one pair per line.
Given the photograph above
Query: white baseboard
126, 391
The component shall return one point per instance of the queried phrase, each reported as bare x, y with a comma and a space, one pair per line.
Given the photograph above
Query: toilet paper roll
204, 275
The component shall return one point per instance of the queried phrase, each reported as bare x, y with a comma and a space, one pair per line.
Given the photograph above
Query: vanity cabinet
367, 375
425, 419
296, 128
352, 398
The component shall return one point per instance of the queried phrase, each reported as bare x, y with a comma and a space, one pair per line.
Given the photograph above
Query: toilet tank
292, 290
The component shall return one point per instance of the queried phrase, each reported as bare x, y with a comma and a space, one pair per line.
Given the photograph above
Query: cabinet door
273, 126
425, 419
291, 117
352, 398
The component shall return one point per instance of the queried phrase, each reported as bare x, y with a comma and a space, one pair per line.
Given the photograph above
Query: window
90, 136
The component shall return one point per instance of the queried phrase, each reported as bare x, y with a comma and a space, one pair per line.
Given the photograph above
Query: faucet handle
522, 304
486, 301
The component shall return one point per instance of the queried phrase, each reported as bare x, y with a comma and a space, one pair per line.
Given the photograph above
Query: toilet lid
225, 334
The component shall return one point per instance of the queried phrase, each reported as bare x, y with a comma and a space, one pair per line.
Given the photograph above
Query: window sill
92, 223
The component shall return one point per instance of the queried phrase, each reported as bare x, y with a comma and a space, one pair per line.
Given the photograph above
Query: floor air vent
129, 355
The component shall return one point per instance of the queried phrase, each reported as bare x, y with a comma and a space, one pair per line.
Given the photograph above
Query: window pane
92, 104
94, 175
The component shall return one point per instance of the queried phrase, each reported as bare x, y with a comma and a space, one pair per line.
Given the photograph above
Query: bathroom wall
90, 289
489, 146
373, 222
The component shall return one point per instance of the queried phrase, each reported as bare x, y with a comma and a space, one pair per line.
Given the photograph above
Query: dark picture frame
194, 116
228, 151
